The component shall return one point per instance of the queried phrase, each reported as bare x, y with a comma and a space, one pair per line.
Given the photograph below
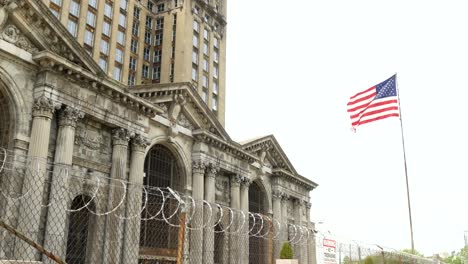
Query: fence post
181, 238
383, 257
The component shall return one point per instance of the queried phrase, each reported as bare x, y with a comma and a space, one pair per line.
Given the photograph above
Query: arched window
157, 238
258, 250
78, 230
5, 121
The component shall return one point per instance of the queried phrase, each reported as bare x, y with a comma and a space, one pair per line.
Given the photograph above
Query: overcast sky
291, 68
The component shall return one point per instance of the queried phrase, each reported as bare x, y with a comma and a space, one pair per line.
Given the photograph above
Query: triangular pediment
30, 26
269, 152
182, 105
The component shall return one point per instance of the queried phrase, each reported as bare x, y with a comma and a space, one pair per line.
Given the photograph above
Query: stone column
277, 195
35, 175
311, 243
196, 239
114, 221
56, 226
297, 222
208, 238
284, 217
244, 203
235, 241
305, 225
134, 200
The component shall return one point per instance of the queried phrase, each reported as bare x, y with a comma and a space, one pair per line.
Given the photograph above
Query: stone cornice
211, 10
163, 93
227, 146
114, 90
298, 179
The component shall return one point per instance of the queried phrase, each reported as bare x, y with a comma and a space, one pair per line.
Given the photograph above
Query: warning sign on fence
329, 251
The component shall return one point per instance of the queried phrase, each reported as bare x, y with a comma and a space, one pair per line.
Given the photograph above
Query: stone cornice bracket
198, 166
44, 107
69, 116
120, 136
246, 182
212, 170
139, 142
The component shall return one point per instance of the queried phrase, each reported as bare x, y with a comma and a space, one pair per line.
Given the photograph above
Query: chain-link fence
55, 213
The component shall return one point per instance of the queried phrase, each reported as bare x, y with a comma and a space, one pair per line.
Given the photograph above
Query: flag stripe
371, 114
363, 98
363, 92
373, 105
378, 118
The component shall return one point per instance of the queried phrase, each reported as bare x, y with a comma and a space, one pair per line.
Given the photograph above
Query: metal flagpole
406, 168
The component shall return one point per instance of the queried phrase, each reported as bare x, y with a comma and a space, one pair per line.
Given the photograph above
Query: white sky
292, 66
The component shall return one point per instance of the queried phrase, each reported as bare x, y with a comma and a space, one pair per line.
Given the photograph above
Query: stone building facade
58, 106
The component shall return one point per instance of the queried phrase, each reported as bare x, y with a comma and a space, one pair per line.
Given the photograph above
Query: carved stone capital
68, 116
246, 182
277, 194
212, 170
43, 107
308, 205
198, 166
120, 136
139, 143
236, 180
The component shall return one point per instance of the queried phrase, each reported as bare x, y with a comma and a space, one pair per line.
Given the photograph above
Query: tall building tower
154, 41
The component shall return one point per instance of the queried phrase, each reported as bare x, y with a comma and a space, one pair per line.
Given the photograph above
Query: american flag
376, 103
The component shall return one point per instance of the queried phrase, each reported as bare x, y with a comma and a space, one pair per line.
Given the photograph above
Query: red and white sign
329, 251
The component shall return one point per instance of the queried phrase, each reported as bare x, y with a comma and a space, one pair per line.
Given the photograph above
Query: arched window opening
5, 121
258, 250
157, 238
78, 230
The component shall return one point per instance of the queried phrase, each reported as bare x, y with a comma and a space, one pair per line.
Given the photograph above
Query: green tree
458, 257
286, 251
409, 251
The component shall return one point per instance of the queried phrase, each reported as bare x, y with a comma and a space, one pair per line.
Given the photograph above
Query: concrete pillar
30, 209
311, 244
56, 226
284, 217
196, 239
277, 196
305, 225
114, 221
297, 222
235, 241
208, 238
244, 202
134, 199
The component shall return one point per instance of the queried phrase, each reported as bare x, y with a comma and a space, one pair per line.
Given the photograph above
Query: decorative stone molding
10, 33
308, 205
285, 197
198, 166
6, 7
236, 180
44, 107
277, 194
246, 182
120, 136
139, 143
212, 170
69, 116
90, 139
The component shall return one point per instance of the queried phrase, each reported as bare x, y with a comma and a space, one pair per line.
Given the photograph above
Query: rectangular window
195, 57
75, 8
215, 56
123, 4
216, 42
72, 27
135, 28
104, 47
88, 37
91, 19
136, 13
195, 74
173, 35
196, 26
122, 20
121, 38
93, 3
147, 37
172, 72
156, 73
173, 52
103, 64
119, 55
145, 71
134, 46
133, 63
131, 79
215, 71
195, 41
158, 39
159, 23
214, 103
204, 95
54, 12
204, 81
205, 65
149, 22
106, 28
57, 2
157, 56
146, 53
206, 34
205, 48
215, 86
108, 10
161, 8
150, 6
117, 73
207, 18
